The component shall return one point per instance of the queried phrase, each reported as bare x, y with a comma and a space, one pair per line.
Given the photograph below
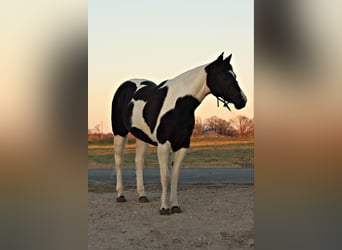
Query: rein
225, 103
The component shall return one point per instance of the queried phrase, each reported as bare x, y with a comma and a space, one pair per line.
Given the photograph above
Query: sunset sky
159, 40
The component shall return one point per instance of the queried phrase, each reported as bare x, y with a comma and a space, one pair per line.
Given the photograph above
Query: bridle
225, 103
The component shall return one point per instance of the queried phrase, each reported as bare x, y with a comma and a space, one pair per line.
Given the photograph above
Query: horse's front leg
177, 161
141, 149
163, 158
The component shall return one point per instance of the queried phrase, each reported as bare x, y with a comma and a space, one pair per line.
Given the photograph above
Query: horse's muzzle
239, 106
243, 101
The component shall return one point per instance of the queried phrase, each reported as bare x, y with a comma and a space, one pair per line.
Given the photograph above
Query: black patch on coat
128, 119
122, 108
154, 97
219, 79
144, 93
177, 124
142, 136
153, 106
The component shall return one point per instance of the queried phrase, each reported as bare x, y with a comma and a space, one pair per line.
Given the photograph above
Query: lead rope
225, 103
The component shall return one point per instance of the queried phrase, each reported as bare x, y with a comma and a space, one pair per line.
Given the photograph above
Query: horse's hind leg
141, 149
119, 146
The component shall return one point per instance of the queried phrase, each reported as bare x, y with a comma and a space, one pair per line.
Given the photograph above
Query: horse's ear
218, 61
220, 58
228, 58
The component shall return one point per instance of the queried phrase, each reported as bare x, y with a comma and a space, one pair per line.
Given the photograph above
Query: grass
204, 152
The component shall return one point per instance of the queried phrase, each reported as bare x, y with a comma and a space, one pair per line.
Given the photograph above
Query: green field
204, 152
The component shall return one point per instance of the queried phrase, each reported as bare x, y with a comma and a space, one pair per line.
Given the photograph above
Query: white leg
163, 157
177, 161
141, 149
119, 145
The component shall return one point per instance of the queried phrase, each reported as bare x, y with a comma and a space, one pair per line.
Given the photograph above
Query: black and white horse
163, 115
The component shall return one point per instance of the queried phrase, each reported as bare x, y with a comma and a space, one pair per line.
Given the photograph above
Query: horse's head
222, 82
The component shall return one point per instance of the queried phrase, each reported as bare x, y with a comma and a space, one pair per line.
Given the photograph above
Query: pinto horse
163, 115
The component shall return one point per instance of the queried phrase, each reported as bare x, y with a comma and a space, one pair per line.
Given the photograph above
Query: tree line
239, 126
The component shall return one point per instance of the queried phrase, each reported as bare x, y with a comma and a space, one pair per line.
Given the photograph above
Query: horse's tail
122, 108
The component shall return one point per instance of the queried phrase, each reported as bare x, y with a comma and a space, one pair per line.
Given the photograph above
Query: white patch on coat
138, 120
138, 81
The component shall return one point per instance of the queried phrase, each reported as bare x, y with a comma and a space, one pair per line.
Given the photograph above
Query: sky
158, 40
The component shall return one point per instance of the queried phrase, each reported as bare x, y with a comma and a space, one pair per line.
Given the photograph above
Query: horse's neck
192, 82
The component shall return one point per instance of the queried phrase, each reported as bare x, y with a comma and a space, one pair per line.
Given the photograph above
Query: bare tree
220, 126
238, 126
227, 128
244, 125
211, 124
199, 126
98, 129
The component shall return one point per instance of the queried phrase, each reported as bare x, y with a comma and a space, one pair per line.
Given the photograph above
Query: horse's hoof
164, 211
121, 199
143, 199
176, 210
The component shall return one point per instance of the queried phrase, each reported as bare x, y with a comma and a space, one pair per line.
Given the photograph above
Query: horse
163, 115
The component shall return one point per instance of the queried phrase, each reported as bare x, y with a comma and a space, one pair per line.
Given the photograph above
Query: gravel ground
216, 216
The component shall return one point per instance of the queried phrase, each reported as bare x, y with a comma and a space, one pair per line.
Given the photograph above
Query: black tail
122, 108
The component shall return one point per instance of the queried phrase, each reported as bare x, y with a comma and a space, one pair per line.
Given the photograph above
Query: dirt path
214, 217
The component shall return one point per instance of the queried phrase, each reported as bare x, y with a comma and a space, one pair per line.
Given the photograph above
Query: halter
225, 103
